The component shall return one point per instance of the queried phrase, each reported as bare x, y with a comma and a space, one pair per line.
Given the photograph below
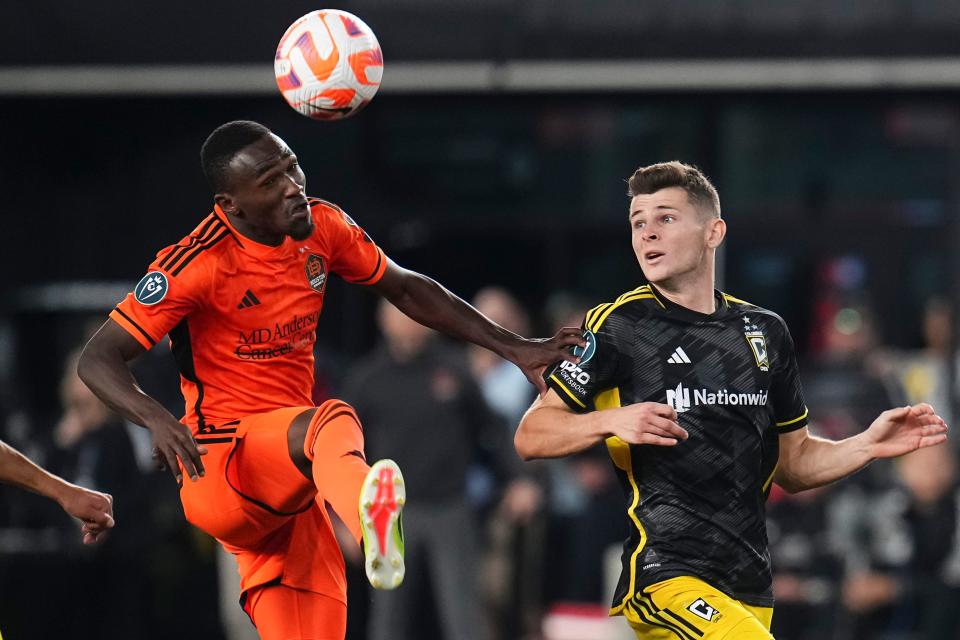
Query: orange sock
334, 444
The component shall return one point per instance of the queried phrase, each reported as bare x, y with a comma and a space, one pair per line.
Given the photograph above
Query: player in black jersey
698, 398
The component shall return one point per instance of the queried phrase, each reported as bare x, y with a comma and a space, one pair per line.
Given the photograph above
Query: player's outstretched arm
808, 461
432, 305
550, 429
93, 508
103, 368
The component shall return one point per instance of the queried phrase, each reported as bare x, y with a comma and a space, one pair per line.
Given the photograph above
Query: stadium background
495, 153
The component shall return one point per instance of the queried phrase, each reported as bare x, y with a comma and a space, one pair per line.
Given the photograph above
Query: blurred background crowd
495, 164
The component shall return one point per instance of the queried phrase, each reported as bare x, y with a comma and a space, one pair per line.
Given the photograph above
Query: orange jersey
242, 316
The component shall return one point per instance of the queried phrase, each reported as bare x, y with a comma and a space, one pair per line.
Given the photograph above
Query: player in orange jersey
240, 298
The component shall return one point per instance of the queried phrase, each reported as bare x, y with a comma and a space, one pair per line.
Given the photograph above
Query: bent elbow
523, 446
85, 367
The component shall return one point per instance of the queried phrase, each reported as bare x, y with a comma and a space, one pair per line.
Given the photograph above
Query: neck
255, 233
694, 292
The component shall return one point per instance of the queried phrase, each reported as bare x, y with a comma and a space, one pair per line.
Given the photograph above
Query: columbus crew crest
316, 272
758, 344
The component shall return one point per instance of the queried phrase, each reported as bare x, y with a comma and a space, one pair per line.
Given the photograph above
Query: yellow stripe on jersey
567, 391
594, 312
730, 298
806, 412
620, 454
769, 480
593, 317
601, 317
655, 297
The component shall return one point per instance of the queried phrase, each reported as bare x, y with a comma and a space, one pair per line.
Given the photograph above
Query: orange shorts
254, 500
282, 613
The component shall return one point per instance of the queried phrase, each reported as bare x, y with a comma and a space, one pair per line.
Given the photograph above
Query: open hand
899, 431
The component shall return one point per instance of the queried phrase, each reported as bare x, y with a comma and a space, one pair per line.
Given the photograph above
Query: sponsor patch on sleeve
151, 289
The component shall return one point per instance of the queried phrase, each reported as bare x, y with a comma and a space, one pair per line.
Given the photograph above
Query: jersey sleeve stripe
136, 326
567, 391
198, 251
376, 269
598, 321
806, 412
593, 313
201, 235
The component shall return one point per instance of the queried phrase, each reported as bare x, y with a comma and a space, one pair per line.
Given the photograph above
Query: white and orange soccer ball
328, 64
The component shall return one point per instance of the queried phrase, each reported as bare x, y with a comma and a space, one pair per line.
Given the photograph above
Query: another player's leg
327, 444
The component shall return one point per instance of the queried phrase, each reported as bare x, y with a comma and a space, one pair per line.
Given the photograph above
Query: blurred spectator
845, 385
504, 386
933, 521
587, 507
94, 450
148, 574
420, 406
581, 538
924, 373
513, 563
903, 566
807, 570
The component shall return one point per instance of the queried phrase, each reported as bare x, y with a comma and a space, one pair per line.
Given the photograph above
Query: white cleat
382, 497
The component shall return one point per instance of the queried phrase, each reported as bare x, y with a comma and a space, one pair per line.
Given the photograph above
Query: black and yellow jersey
697, 508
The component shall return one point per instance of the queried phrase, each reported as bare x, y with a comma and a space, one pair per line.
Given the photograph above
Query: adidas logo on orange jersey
249, 300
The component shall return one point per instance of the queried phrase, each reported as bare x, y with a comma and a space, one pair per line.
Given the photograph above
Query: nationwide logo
682, 400
151, 289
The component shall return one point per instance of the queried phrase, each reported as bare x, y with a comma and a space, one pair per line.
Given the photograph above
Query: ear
716, 232
227, 204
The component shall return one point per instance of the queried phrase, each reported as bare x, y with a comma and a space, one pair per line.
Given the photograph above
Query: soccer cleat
382, 497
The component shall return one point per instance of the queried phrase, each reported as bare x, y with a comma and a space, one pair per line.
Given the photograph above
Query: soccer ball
328, 64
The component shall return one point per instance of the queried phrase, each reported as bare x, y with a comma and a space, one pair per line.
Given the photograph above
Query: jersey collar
253, 247
677, 311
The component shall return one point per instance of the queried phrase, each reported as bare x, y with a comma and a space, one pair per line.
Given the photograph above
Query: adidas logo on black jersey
249, 300
679, 357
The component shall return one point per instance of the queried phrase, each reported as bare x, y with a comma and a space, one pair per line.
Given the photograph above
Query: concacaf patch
316, 272
151, 289
586, 352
